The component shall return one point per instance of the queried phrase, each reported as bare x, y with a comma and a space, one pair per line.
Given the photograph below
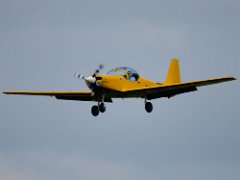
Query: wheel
102, 107
148, 107
95, 111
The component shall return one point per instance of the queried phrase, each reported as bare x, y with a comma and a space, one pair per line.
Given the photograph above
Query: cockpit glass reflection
129, 73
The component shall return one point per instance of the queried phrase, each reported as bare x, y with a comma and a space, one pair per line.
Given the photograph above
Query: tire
148, 107
95, 111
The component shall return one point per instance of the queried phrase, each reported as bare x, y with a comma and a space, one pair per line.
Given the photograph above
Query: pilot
133, 77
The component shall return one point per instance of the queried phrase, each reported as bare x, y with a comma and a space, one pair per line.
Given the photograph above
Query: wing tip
11, 92
230, 78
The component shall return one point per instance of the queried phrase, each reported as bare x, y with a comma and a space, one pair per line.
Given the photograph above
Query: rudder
173, 75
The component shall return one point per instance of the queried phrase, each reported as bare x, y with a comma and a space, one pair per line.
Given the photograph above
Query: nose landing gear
98, 108
95, 110
102, 107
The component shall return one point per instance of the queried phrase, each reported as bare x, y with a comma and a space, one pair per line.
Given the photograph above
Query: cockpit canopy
129, 73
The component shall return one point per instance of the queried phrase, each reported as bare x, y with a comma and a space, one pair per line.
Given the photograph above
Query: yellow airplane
125, 82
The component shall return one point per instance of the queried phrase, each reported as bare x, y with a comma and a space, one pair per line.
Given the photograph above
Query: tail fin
173, 75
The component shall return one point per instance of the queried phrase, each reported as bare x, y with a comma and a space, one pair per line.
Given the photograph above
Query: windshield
129, 73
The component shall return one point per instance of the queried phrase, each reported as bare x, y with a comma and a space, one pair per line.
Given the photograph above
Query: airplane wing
173, 89
148, 92
65, 95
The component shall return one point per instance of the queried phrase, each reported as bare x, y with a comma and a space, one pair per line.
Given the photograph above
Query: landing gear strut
98, 108
102, 107
148, 107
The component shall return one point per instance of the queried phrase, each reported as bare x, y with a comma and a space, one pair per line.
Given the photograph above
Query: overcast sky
191, 136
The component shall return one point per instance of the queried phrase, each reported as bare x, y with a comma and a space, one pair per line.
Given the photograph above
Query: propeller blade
79, 76
100, 67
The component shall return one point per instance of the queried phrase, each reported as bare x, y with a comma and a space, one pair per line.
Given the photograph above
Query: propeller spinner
91, 81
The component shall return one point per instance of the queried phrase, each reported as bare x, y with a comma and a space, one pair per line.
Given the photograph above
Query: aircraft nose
90, 79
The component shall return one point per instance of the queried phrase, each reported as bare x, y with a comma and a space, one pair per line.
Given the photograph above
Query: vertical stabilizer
173, 75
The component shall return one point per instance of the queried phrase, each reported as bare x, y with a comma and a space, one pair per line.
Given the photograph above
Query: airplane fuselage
115, 85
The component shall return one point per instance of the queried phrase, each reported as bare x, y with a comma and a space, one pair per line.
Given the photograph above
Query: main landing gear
148, 106
98, 108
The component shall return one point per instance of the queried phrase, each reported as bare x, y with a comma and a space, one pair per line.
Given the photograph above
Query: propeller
90, 80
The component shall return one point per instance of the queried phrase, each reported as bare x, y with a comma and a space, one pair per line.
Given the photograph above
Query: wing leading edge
65, 95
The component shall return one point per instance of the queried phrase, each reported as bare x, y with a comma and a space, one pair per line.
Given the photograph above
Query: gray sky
191, 136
